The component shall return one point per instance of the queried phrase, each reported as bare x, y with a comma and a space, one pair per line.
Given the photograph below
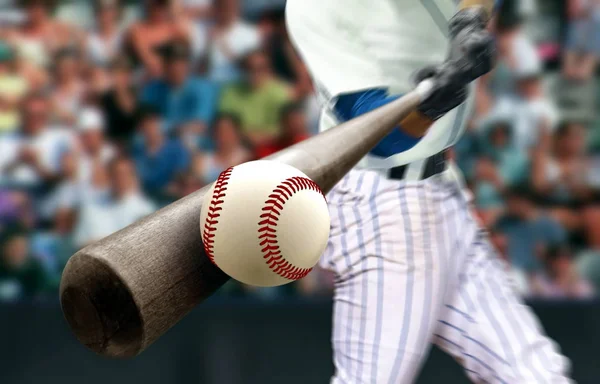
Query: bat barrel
100, 308
120, 294
123, 292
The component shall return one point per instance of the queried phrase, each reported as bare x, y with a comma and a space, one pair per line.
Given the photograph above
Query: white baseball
264, 223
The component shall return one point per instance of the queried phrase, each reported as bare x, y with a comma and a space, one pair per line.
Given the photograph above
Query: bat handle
425, 88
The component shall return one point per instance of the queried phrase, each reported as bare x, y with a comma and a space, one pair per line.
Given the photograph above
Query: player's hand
449, 88
472, 42
472, 55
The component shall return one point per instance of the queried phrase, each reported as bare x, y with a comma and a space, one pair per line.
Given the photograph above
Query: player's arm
471, 56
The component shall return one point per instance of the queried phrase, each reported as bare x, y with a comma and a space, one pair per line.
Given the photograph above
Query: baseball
264, 223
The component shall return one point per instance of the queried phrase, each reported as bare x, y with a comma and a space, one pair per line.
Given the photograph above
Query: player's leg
388, 251
487, 328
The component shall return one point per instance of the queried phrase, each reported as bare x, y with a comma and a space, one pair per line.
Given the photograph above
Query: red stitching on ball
268, 223
208, 234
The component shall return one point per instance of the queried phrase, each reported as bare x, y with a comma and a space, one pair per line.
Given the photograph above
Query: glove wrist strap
487, 5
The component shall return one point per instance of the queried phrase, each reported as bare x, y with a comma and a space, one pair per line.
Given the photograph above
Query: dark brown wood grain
123, 292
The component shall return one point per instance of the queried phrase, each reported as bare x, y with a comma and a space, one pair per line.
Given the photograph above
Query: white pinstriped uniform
412, 266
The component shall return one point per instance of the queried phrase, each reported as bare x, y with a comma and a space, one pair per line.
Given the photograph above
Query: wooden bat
123, 292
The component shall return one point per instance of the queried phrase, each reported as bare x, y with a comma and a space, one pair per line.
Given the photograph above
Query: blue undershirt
351, 105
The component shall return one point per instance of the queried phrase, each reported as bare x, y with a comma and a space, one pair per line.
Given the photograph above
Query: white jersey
351, 45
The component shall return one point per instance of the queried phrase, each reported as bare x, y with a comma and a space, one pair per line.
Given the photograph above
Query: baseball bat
123, 292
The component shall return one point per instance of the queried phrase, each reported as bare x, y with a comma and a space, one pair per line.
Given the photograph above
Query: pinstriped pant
413, 268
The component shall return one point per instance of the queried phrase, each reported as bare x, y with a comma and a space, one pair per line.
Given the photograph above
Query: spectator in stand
181, 97
563, 174
500, 166
286, 63
294, 129
13, 87
163, 23
11, 14
21, 275
41, 36
583, 39
231, 149
58, 211
104, 42
31, 156
16, 208
55, 246
99, 186
521, 280
529, 231
94, 150
120, 103
516, 54
561, 279
159, 160
288, 66
125, 205
588, 266
68, 90
97, 82
568, 181
516, 51
230, 40
257, 100
530, 112
66, 195
198, 10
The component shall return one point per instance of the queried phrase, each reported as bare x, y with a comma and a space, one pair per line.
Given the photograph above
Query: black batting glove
472, 54
470, 40
449, 89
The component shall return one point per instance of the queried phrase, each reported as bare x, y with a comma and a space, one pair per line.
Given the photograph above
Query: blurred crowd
112, 109
531, 157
